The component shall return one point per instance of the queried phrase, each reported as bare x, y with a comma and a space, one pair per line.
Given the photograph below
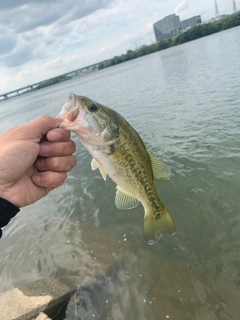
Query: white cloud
181, 6
43, 39
53, 62
181, 9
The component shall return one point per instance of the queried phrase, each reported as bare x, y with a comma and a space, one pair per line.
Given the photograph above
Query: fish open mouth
70, 111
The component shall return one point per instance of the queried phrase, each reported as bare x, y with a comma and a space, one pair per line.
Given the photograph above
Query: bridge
34, 86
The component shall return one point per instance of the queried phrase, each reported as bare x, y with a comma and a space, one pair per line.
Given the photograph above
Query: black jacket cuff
7, 212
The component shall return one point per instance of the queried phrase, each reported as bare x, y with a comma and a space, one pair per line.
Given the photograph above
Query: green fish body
119, 152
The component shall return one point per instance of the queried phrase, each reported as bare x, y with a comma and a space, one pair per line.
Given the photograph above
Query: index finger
58, 135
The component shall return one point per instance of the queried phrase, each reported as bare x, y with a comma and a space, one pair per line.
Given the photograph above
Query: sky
41, 39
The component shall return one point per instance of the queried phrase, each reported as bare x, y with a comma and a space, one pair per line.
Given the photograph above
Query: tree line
51, 82
194, 33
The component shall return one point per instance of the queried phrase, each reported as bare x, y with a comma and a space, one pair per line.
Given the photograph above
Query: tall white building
167, 27
171, 25
191, 22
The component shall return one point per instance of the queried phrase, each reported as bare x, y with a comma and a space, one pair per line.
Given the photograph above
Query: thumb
38, 127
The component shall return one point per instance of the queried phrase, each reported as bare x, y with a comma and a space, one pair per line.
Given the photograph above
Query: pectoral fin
160, 169
124, 200
95, 165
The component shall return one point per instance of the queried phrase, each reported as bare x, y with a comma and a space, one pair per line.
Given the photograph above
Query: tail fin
155, 226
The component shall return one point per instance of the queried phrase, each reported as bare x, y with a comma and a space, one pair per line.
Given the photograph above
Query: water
184, 102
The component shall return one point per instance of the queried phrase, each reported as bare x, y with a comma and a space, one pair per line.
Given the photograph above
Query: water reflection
191, 125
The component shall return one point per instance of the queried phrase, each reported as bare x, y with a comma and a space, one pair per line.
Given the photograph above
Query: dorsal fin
160, 169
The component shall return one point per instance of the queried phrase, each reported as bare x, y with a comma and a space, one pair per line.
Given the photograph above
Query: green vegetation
52, 81
189, 35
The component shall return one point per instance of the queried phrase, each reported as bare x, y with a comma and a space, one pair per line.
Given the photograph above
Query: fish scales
118, 151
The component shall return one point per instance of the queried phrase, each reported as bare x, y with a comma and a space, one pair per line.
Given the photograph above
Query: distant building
167, 27
222, 16
191, 22
171, 25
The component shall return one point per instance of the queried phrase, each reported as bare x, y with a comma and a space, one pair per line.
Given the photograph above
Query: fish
119, 152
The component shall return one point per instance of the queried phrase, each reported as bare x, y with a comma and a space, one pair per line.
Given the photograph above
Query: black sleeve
7, 212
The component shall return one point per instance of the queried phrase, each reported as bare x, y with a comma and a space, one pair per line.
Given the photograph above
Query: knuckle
50, 163
60, 164
57, 148
74, 161
71, 162
51, 179
66, 134
67, 148
73, 145
60, 148
62, 178
43, 117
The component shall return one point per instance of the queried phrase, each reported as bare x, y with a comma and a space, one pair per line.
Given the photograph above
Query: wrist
8, 196
9, 204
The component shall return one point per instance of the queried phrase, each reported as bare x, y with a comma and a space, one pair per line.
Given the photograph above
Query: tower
234, 6
216, 8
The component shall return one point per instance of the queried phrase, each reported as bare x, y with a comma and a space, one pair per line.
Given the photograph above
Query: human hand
35, 158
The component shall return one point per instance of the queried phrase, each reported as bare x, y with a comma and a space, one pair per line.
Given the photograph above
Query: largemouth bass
119, 152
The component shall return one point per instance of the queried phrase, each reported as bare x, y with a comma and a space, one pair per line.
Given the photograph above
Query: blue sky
40, 39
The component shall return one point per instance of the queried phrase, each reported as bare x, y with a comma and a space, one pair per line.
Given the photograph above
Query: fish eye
92, 107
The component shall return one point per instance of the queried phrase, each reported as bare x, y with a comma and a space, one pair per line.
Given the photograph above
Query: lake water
185, 104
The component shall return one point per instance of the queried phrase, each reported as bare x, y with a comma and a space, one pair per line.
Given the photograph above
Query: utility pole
234, 6
216, 8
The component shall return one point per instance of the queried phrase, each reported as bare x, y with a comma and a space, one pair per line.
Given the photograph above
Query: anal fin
124, 200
